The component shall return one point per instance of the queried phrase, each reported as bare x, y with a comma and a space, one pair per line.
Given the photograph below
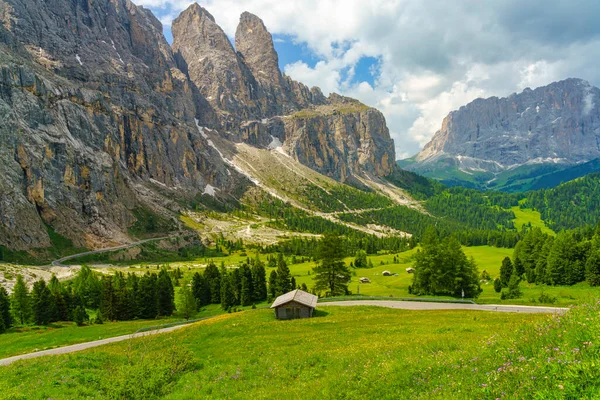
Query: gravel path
421, 305
88, 345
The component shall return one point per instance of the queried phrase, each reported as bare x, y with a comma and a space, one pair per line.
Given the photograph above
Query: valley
168, 170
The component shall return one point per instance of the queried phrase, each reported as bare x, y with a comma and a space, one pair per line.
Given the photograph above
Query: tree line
569, 258
116, 298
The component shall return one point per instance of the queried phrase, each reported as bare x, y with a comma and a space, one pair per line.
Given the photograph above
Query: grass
342, 353
528, 216
28, 339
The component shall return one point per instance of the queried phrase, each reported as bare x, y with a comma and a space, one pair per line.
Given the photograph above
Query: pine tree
212, 277
360, 259
88, 287
514, 291
200, 290
506, 271
427, 262
293, 283
5, 317
41, 300
592, 268
187, 302
20, 301
272, 286
60, 310
227, 291
284, 283
259, 279
497, 285
107, 304
80, 315
331, 273
166, 293
147, 301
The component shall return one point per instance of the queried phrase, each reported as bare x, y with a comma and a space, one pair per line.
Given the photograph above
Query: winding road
405, 305
59, 262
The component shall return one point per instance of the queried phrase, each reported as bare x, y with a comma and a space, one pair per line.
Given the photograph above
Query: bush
497, 285
546, 299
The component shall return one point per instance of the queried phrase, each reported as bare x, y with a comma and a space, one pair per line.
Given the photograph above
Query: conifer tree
200, 290
88, 287
41, 300
5, 317
166, 293
212, 277
60, 311
20, 301
506, 271
186, 302
227, 291
331, 273
259, 279
147, 300
107, 305
360, 259
272, 286
284, 283
592, 268
293, 283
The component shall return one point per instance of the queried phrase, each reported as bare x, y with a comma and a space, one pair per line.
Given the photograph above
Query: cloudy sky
417, 60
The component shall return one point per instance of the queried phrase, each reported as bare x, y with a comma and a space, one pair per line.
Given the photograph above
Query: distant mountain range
537, 138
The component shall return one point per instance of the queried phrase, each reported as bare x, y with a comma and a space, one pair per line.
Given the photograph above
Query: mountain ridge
554, 124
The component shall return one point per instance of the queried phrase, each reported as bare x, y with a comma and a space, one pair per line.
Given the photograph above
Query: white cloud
434, 56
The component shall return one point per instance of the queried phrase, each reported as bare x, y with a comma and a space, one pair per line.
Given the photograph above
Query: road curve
59, 262
422, 305
87, 345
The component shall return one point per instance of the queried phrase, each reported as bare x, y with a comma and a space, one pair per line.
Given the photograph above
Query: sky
417, 60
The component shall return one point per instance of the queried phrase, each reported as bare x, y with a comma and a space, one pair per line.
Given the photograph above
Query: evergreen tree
88, 287
61, 309
20, 301
542, 261
186, 302
5, 317
133, 282
284, 283
331, 273
166, 293
497, 285
428, 261
514, 291
259, 279
41, 300
212, 277
147, 300
107, 304
200, 290
80, 315
360, 259
592, 268
227, 291
293, 283
124, 303
506, 271
561, 262
272, 286
304, 287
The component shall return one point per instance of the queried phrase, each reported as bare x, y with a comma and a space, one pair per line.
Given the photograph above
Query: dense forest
570, 205
569, 258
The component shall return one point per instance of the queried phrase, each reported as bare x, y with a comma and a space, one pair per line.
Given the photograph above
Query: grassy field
342, 353
527, 216
28, 339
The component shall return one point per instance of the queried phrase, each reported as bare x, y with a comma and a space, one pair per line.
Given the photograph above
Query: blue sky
414, 60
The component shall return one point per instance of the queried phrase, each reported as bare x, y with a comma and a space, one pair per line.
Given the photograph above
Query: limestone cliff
101, 116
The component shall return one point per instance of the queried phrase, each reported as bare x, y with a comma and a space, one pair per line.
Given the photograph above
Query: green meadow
342, 353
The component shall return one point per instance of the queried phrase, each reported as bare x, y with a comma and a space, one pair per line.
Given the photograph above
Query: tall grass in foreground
343, 353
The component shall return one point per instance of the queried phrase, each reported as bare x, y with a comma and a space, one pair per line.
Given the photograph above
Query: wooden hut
295, 304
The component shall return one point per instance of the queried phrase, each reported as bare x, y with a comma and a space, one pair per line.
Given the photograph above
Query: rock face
100, 116
557, 124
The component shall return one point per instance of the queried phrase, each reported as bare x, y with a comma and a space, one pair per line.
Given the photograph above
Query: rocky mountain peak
255, 44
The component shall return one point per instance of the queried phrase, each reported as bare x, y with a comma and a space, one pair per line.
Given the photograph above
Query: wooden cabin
295, 304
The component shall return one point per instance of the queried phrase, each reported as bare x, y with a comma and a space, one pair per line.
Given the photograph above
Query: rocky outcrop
97, 120
101, 117
558, 123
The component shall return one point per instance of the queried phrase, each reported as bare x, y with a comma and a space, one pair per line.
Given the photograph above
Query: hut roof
299, 296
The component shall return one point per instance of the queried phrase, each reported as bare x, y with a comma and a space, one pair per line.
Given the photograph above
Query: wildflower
561, 387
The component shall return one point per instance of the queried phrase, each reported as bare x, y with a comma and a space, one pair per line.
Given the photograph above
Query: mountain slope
101, 120
540, 131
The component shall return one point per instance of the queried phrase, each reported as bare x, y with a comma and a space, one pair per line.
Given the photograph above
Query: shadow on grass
319, 313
